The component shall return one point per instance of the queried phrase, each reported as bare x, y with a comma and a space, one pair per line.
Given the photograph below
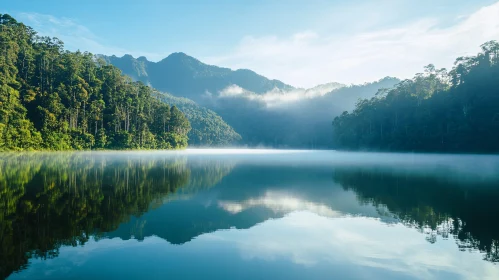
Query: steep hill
185, 76
297, 119
264, 112
208, 128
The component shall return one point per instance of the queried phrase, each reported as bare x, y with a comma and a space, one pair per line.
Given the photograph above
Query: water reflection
316, 209
433, 205
355, 247
62, 199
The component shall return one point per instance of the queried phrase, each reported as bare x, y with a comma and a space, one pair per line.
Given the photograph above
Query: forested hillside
303, 123
258, 111
436, 111
59, 100
208, 128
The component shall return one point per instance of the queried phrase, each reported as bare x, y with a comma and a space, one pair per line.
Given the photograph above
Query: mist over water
218, 213
450, 166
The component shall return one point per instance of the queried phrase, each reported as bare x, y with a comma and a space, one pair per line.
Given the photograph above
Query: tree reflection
434, 206
53, 200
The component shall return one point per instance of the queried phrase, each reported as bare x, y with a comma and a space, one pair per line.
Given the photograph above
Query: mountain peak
128, 56
179, 56
186, 76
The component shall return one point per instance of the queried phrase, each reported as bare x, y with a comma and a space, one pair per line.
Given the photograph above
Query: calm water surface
248, 214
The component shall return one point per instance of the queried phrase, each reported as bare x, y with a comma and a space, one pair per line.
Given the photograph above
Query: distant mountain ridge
298, 119
245, 108
186, 76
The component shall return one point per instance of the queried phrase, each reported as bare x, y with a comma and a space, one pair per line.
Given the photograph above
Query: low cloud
277, 97
309, 58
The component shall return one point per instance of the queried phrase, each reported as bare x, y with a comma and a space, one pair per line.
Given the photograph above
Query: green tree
436, 111
59, 100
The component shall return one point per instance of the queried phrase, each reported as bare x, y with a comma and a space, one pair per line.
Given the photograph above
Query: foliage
436, 111
304, 124
301, 124
60, 100
208, 128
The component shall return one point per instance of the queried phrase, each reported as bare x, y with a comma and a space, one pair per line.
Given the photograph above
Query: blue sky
303, 43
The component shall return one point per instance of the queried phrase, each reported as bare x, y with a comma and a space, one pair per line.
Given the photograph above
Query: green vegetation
436, 111
208, 128
53, 99
303, 124
238, 119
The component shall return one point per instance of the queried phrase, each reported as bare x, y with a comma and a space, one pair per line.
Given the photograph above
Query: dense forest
208, 128
305, 123
52, 99
219, 120
436, 111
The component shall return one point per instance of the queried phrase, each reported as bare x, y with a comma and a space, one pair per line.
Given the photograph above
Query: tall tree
60, 100
436, 111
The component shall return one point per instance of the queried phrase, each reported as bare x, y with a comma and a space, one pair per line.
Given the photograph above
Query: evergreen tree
436, 111
59, 100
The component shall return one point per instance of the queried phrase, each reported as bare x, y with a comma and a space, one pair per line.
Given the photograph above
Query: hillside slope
185, 76
207, 127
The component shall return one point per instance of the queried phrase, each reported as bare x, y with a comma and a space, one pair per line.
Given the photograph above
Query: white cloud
311, 57
277, 97
308, 58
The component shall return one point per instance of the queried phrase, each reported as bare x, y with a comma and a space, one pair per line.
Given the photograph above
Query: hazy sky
303, 43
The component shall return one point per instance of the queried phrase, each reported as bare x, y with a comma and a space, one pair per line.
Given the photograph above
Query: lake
248, 214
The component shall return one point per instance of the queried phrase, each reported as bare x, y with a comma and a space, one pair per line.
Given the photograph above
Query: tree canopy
436, 111
208, 128
59, 100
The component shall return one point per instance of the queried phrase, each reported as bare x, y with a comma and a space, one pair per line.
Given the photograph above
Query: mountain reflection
65, 199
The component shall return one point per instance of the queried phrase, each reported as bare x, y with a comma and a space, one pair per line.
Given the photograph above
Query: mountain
135, 68
185, 76
296, 119
323, 89
262, 111
207, 127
